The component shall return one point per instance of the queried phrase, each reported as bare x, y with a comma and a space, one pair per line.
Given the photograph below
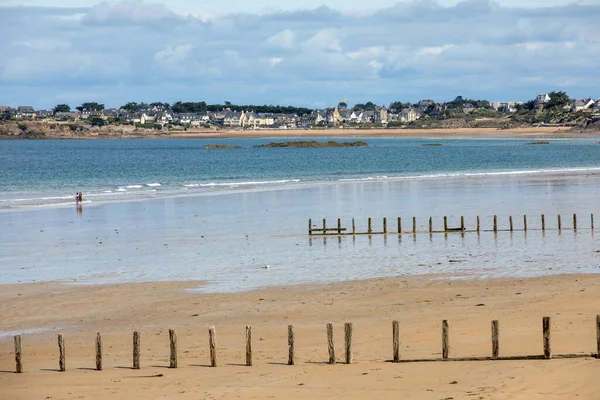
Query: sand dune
418, 303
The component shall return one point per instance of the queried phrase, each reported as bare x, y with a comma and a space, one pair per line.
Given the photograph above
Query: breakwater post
430, 224
445, 224
399, 225
445, 340
19, 355
248, 346
291, 353
478, 224
136, 350
212, 346
330, 344
384, 225
495, 342
574, 222
61, 353
462, 223
173, 347
370, 230
396, 340
414, 225
510, 222
98, 352
543, 223
348, 341
495, 223
525, 223
546, 336
559, 223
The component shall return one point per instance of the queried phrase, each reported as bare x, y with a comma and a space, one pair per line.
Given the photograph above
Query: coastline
419, 303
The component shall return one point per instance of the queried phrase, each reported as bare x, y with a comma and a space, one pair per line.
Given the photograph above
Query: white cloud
285, 39
172, 54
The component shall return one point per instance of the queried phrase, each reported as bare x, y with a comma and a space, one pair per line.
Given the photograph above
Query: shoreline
408, 133
419, 303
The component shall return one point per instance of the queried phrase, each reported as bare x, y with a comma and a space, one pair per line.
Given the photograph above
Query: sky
313, 53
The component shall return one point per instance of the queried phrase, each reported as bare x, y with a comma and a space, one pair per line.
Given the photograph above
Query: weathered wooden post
574, 222
445, 224
559, 223
348, 341
324, 226
525, 223
598, 337
61, 353
462, 223
399, 224
430, 224
510, 222
445, 340
309, 226
478, 224
212, 345
136, 350
414, 225
543, 223
330, 345
248, 346
98, 352
291, 353
495, 343
546, 333
339, 226
19, 355
353, 227
370, 226
384, 225
592, 221
173, 346
396, 341
495, 223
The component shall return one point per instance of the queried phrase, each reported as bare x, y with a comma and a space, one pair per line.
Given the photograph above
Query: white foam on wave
120, 190
153, 184
134, 187
250, 183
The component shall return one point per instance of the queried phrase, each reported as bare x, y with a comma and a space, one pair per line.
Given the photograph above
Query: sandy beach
461, 133
419, 303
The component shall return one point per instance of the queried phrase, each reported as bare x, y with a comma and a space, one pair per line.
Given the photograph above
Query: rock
221, 146
541, 142
314, 143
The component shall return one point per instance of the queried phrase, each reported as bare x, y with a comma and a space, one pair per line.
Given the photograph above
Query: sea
237, 219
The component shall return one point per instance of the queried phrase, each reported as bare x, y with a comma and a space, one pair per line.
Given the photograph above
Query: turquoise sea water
45, 172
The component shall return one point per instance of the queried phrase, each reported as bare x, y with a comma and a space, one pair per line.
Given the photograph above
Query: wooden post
396, 340
525, 223
462, 223
559, 223
348, 337
324, 226
414, 225
592, 222
546, 332
248, 346
445, 341
543, 223
399, 225
353, 227
173, 345
339, 226
370, 226
310, 226
136, 350
510, 221
330, 343
478, 224
98, 352
445, 224
430, 224
495, 344
598, 336
574, 222
384, 225
61, 353
19, 354
291, 355
495, 223
213, 346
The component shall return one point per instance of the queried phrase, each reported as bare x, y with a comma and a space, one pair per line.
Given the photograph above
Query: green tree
61, 108
91, 107
132, 107
96, 121
557, 100
342, 104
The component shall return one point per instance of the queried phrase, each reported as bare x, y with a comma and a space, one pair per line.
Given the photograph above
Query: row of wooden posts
339, 230
348, 356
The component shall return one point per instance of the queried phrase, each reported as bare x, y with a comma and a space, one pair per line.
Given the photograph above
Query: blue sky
310, 53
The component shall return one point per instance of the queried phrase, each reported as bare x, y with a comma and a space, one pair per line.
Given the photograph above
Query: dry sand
462, 133
419, 303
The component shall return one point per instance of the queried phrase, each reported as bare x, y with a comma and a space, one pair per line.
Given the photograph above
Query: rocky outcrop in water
221, 146
314, 143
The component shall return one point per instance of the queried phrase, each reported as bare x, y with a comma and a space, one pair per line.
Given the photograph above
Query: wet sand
419, 303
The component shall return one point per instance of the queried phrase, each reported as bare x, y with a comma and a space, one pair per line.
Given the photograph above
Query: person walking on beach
80, 197
77, 198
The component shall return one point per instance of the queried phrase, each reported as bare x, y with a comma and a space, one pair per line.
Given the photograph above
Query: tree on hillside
557, 100
398, 106
96, 121
189, 107
132, 107
61, 108
5, 116
342, 104
165, 106
91, 107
